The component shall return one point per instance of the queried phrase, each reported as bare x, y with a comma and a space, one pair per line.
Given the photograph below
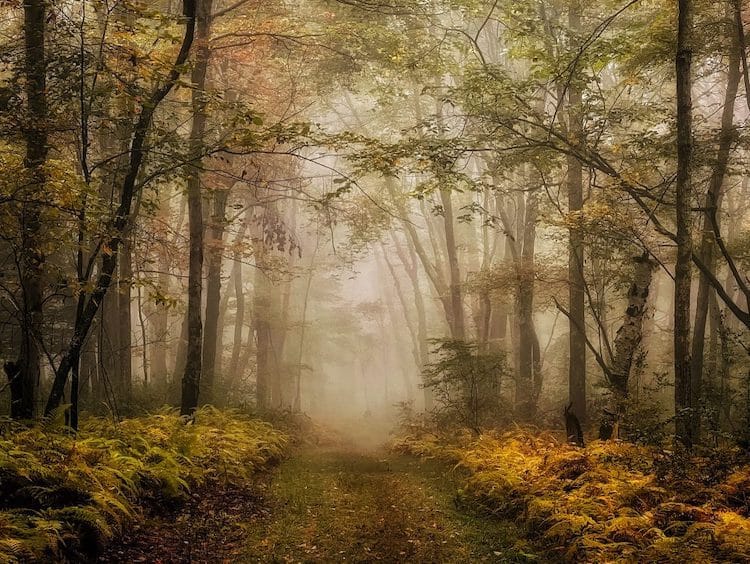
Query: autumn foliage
611, 501
63, 496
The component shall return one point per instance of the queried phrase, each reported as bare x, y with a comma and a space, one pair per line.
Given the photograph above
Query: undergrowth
63, 496
609, 502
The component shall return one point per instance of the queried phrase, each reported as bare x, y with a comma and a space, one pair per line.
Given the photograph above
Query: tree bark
577, 324
159, 319
393, 317
630, 333
193, 360
528, 377
410, 264
239, 299
124, 323
213, 294
686, 399
31, 264
458, 327
261, 312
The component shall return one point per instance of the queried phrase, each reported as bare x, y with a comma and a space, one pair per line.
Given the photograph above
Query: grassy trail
338, 505
325, 505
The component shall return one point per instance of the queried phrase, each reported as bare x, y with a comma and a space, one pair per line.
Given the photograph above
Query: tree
89, 304
577, 359
686, 386
31, 264
713, 202
193, 365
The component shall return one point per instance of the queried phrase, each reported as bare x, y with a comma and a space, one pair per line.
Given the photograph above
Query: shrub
465, 383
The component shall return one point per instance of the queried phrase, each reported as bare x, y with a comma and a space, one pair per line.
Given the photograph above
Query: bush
63, 496
465, 383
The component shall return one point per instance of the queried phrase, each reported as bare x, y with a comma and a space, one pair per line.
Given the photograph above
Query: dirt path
329, 505
343, 506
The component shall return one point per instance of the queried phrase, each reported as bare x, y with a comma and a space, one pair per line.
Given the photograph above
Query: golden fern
92, 484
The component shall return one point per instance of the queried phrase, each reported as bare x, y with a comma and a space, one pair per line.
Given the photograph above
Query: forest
423, 281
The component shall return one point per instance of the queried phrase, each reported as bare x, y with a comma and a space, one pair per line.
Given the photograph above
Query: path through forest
328, 504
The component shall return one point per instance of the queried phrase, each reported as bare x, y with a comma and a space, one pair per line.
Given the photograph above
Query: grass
346, 506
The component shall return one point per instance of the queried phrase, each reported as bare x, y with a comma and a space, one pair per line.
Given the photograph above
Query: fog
470, 213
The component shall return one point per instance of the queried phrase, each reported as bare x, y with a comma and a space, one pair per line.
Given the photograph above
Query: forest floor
327, 504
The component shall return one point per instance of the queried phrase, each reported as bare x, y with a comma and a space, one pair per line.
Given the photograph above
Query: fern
93, 484
604, 503
13, 550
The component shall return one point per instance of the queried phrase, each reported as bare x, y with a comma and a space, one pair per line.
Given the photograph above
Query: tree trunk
713, 201
180, 355
193, 361
239, 299
124, 324
686, 397
213, 294
262, 333
159, 319
528, 377
393, 318
303, 326
458, 328
410, 264
577, 323
630, 333
31, 264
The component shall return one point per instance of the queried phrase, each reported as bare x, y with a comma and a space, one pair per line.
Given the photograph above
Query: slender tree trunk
393, 318
303, 326
27, 368
124, 323
283, 383
713, 201
458, 327
109, 343
250, 348
262, 333
409, 261
88, 371
500, 309
193, 364
528, 377
223, 310
213, 294
239, 299
686, 398
159, 319
144, 337
180, 354
577, 323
